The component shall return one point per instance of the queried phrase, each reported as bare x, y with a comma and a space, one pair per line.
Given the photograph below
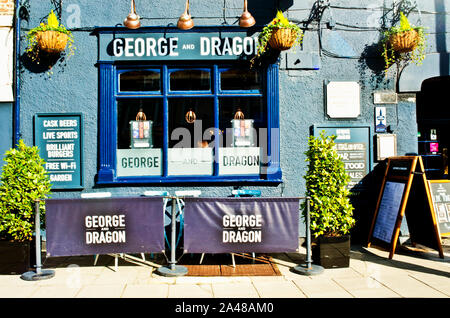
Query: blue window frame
158, 90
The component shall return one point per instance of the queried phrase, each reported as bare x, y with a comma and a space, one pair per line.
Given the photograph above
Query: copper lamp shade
190, 116
239, 114
185, 21
132, 20
246, 20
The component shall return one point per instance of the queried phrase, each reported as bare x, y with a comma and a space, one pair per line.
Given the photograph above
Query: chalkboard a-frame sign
59, 137
405, 192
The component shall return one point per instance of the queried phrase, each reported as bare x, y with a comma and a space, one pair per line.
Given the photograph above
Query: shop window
188, 124
139, 81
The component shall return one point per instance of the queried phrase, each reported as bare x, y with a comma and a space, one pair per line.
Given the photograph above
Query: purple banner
241, 225
103, 226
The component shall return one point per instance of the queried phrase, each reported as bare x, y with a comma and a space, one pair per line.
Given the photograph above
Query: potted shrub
403, 43
23, 181
279, 34
331, 212
51, 38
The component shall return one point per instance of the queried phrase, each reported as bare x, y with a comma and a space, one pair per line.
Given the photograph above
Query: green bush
24, 180
331, 212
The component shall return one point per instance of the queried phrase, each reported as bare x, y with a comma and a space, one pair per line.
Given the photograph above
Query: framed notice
343, 99
59, 138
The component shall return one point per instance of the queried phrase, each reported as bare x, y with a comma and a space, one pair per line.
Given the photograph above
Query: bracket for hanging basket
52, 41
283, 39
404, 42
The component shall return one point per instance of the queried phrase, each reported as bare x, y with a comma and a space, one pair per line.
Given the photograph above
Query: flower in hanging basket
52, 38
279, 34
403, 42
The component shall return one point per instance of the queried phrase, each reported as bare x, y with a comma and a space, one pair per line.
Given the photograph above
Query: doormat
222, 265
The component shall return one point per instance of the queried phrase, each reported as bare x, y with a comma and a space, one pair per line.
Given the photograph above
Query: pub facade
159, 108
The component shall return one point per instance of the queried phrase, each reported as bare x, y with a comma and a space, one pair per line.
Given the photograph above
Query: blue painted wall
350, 54
6, 130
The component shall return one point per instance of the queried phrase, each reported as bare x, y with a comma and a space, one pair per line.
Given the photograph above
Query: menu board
388, 211
59, 139
353, 146
440, 196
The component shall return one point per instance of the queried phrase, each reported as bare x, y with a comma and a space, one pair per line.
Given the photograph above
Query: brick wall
6, 7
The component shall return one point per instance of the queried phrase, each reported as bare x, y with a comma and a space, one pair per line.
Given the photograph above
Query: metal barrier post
173, 269
40, 274
308, 269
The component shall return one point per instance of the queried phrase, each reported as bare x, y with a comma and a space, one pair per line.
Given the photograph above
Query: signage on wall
343, 99
59, 138
172, 44
380, 119
353, 145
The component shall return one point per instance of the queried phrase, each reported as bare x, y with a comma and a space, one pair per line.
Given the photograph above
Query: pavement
412, 273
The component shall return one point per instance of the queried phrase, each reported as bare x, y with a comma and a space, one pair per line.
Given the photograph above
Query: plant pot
404, 42
282, 39
16, 257
52, 41
332, 252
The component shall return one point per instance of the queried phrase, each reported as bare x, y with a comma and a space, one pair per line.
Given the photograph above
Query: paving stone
190, 291
146, 291
235, 290
281, 289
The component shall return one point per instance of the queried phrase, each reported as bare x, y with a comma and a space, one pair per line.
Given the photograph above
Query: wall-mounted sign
173, 44
440, 196
239, 160
59, 138
343, 99
386, 146
380, 119
190, 161
353, 145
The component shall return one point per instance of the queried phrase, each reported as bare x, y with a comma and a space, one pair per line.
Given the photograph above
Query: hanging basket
283, 39
52, 41
404, 42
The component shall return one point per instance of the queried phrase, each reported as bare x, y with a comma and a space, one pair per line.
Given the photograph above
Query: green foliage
52, 25
24, 180
391, 57
326, 184
278, 22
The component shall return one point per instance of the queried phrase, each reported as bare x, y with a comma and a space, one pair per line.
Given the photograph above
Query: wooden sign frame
407, 172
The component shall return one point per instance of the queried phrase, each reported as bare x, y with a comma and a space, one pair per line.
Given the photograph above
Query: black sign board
405, 176
440, 196
353, 146
59, 138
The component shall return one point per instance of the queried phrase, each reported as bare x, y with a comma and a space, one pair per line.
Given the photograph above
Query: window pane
190, 80
238, 79
139, 137
243, 123
139, 81
191, 123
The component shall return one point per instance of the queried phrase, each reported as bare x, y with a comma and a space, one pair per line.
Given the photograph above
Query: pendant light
239, 115
185, 21
246, 20
132, 20
190, 116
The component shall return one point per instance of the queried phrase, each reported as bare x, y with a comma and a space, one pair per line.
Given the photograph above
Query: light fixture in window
185, 21
141, 115
132, 20
239, 114
246, 20
190, 116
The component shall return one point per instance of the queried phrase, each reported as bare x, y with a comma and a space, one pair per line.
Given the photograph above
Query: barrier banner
241, 225
104, 226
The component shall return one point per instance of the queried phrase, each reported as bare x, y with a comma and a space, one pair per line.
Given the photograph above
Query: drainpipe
16, 111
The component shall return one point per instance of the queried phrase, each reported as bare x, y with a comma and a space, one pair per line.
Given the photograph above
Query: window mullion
165, 90
217, 138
